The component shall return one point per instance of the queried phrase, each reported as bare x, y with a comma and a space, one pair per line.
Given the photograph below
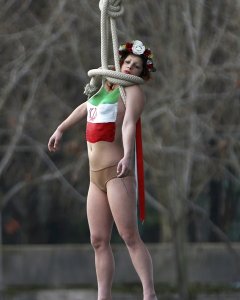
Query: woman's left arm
134, 108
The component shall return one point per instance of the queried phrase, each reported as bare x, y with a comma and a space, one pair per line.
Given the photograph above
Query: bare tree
190, 123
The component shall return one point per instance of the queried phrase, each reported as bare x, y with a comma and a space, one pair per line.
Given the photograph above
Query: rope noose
110, 10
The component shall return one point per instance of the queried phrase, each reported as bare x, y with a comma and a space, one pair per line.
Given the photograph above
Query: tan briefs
101, 177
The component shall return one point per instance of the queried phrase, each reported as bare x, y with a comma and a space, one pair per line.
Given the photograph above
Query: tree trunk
1, 260
180, 247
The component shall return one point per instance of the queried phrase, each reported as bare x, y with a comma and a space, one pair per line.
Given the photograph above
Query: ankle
150, 296
104, 296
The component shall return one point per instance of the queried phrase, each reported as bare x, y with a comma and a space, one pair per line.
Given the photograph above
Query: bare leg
100, 223
122, 201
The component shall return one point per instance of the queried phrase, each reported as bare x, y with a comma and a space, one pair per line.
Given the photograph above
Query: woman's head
135, 54
132, 64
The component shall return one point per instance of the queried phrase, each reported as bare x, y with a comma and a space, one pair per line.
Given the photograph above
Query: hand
123, 167
54, 141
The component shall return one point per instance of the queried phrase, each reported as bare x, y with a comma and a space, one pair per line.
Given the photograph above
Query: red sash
140, 171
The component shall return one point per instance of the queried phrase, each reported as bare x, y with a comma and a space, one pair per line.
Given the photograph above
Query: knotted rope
110, 10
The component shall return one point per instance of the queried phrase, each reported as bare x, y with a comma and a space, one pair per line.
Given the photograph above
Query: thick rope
110, 10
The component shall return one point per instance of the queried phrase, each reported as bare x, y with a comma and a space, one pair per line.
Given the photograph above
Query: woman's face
132, 65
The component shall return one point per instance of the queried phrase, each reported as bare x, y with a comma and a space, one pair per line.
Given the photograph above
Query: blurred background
190, 123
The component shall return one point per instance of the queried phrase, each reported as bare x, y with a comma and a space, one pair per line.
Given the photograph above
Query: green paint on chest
105, 97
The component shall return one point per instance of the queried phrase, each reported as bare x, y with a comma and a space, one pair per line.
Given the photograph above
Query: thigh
99, 215
122, 200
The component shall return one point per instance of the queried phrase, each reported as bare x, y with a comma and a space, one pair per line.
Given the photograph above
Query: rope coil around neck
110, 10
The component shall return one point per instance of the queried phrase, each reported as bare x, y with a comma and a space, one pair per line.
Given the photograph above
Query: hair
145, 75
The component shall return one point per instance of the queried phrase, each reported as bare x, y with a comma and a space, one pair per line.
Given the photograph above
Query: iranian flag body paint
101, 116
101, 126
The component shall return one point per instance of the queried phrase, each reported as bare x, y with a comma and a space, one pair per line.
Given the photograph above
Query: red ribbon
140, 170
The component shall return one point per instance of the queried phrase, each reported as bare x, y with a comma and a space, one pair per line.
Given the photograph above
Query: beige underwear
101, 177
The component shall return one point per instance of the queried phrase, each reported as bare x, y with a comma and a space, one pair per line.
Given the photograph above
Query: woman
110, 134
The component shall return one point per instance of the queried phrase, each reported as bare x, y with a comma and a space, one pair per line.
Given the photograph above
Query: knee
131, 238
99, 242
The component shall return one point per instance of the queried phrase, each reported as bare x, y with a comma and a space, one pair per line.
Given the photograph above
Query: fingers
122, 170
53, 144
120, 173
119, 168
54, 141
56, 145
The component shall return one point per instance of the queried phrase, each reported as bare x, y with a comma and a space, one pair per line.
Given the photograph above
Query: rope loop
122, 79
114, 8
110, 10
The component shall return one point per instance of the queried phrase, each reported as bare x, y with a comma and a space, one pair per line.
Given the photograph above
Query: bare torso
104, 154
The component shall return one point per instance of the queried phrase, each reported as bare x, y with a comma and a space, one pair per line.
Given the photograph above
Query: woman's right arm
75, 117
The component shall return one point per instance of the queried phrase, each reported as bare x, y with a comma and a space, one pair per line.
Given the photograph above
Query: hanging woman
110, 134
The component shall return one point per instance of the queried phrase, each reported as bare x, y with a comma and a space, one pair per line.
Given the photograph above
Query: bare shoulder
135, 92
134, 101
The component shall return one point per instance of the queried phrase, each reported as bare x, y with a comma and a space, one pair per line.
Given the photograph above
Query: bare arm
134, 108
75, 117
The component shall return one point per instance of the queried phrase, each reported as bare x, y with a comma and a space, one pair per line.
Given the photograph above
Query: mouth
127, 72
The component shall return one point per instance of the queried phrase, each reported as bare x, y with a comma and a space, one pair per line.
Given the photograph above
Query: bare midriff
105, 154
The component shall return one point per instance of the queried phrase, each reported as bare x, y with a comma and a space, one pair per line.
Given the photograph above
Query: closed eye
128, 62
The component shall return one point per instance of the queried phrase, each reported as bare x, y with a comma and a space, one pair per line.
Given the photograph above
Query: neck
110, 86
